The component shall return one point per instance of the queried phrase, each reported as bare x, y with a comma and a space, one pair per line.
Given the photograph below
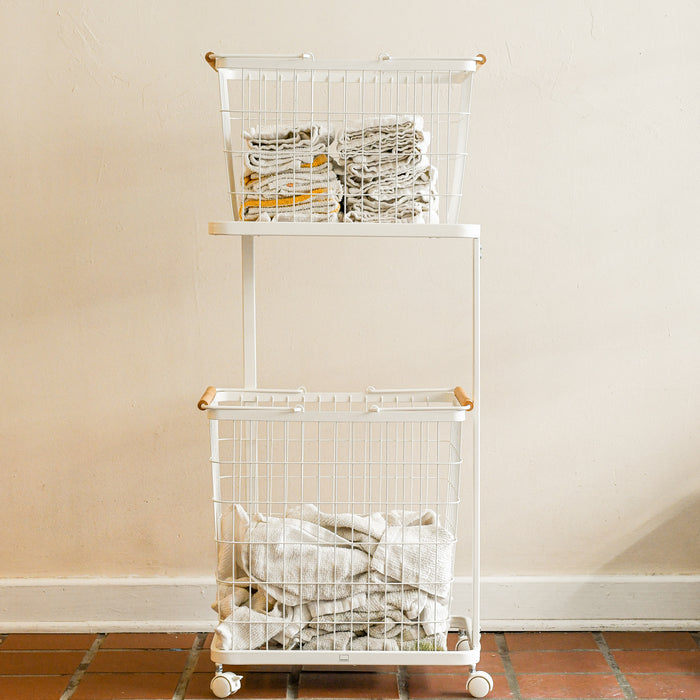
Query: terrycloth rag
404, 210
333, 580
318, 201
289, 183
399, 134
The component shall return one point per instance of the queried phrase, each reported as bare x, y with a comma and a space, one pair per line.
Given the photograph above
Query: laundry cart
337, 514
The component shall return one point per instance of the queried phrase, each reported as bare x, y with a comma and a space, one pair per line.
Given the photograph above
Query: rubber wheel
480, 684
224, 684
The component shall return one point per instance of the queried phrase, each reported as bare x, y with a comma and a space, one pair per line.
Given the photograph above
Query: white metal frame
479, 683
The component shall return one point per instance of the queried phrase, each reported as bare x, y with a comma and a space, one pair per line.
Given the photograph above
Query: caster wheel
224, 684
463, 644
480, 684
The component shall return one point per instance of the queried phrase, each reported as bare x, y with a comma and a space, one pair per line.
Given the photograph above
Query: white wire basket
381, 141
336, 522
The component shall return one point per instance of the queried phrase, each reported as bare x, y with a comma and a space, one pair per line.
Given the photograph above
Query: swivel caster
463, 644
224, 684
479, 684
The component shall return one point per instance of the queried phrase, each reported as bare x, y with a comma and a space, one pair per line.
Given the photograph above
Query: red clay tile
46, 663
662, 685
488, 641
549, 641
348, 685
43, 642
350, 669
451, 686
206, 665
572, 685
669, 661
490, 662
158, 640
129, 686
253, 685
650, 640
32, 687
138, 661
559, 662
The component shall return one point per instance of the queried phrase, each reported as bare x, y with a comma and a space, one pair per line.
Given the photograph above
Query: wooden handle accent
463, 399
210, 58
207, 396
480, 60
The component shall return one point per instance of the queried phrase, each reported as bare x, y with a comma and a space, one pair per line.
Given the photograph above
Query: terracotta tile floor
524, 666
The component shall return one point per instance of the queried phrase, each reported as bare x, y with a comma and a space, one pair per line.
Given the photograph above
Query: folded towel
274, 162
273, 149
289, 183
318, 201
403, 212
392, 183
287, 136
390, 134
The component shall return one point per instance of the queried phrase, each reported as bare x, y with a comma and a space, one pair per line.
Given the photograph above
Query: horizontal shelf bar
334, 230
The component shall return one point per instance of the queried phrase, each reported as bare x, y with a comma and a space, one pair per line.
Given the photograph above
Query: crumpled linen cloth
317, 580
288, 175
385, 171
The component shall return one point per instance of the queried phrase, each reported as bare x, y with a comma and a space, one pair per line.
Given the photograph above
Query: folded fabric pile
386, 174
287, 175
314, 580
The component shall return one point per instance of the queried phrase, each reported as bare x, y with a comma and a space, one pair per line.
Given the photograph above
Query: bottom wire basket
336, 527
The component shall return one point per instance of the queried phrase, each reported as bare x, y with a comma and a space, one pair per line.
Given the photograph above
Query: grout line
293, 683
619, 676
190, 665
402, 683
83, 666
502, 645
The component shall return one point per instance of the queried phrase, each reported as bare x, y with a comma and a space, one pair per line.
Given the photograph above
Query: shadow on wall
666, 543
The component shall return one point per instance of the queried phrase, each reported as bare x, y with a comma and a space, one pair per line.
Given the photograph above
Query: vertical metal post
249, 337
476, 546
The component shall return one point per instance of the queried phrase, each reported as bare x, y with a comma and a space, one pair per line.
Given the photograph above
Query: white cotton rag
398, 134
410, 212
421, 556
286, 148
296, 561
287, 136
392, 184
354, 527
317, 202
287, 183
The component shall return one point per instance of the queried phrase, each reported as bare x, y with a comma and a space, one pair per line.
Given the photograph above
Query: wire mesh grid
335, 533
377, 143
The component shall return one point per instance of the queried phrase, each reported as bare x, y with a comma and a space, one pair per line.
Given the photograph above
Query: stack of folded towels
386, 174
288, 176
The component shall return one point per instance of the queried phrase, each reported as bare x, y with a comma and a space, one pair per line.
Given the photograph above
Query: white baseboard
507, 603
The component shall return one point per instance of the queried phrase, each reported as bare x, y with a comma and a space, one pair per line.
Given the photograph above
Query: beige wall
117, 308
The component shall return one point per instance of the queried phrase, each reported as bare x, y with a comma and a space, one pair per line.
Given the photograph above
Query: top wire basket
380, 141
